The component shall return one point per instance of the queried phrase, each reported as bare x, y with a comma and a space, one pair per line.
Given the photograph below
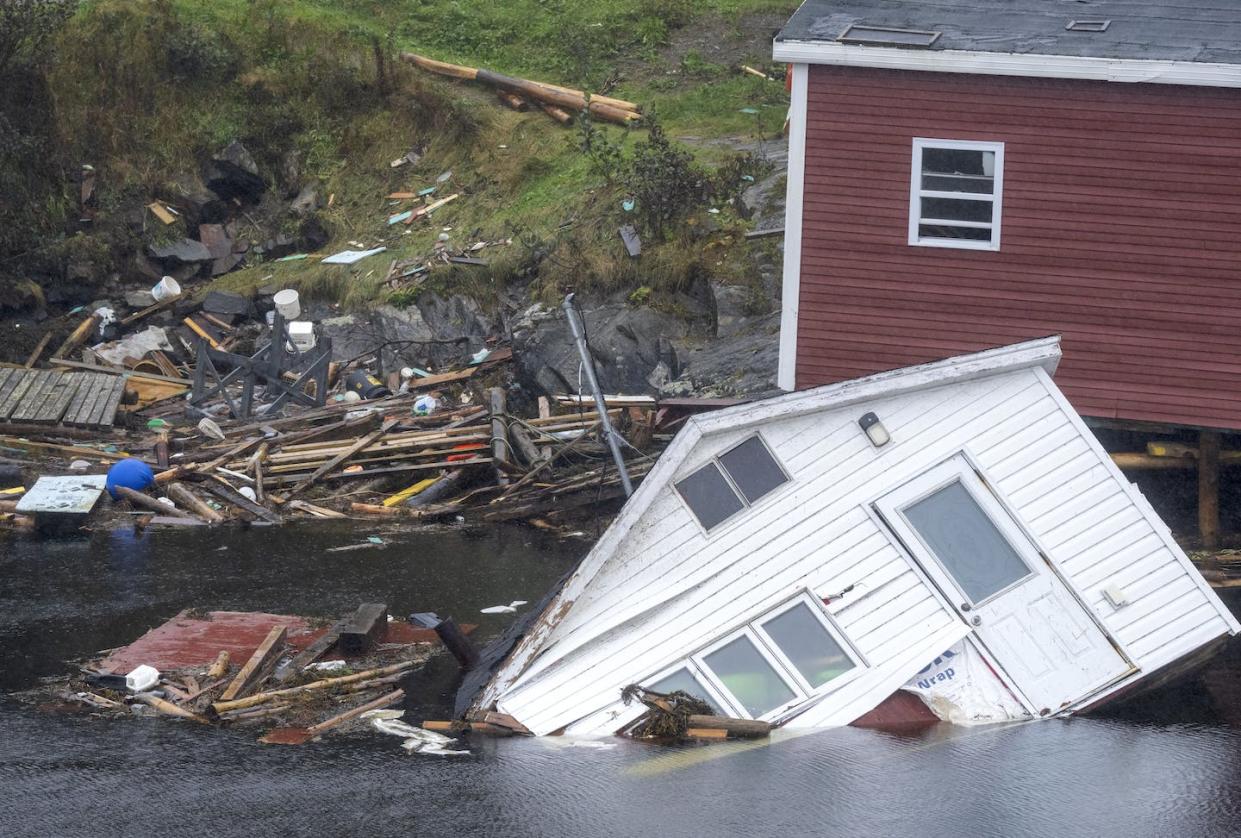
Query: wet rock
633, 347
764, 202
195, 202
180, 252
227, 304
291, 166
741, 364
308, 200
232, 173
278, 246
313, 234
140, 298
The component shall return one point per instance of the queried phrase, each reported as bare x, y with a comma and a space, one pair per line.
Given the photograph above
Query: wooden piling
1208, 488
499, 435
455, 641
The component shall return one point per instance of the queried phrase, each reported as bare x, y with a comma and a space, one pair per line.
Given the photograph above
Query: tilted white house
800, 559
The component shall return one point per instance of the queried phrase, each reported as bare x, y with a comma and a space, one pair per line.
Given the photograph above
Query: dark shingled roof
1207, 31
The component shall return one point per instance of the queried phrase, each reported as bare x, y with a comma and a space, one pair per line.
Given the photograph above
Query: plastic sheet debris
417, 740
350, 257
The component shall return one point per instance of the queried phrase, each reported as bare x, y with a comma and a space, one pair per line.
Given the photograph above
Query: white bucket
166, 289
287, 304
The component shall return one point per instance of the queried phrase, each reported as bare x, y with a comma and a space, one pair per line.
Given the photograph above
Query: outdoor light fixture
875, 431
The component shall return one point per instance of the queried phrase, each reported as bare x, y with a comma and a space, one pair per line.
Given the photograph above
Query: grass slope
146, 88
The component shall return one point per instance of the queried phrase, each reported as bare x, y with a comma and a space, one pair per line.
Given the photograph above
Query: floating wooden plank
366, 625
340, 458
266, 654
99, 401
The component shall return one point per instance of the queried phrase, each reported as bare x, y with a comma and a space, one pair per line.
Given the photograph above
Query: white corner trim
1124, 70
790, 294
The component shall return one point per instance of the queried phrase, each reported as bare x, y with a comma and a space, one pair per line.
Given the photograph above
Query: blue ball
130, 473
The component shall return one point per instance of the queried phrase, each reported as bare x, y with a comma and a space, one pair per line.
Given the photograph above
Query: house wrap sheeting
658, 590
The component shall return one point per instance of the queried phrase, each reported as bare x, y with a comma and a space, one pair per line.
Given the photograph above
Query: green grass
303, 73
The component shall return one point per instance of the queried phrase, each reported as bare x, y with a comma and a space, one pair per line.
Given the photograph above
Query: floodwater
70, 775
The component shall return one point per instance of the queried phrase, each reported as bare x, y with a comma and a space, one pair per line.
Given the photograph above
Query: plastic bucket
166, 289
287, 304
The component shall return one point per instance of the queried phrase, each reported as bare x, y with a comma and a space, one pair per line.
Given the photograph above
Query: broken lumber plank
366, 625
182, 495
37, 352
147, 502
311, 653
225, 492
744, 728
500, 453
78, 336
168, 708
340, 458
266, 654
219, 667
706, 733
327, 683
378, 704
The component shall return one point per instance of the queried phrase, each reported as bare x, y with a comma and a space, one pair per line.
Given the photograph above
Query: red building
971, 173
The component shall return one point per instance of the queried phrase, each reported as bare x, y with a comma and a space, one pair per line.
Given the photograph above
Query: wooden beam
149, 503
744, 728
37, 352
499, 434
182, 495
311, 653
324, 469
366, 625
1208, 488
455, 640
265, 655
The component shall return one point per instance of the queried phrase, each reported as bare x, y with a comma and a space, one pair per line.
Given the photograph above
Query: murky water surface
72, 775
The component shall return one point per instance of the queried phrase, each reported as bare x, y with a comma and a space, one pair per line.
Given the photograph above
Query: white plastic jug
142, 678
166, 289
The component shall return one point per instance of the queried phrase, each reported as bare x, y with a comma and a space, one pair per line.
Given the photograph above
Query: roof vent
884, 36
1091, 25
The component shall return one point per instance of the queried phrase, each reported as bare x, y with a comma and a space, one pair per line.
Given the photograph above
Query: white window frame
917, 193
784, 668
732, 520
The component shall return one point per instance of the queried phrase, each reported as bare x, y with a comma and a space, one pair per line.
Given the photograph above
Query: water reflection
69, 775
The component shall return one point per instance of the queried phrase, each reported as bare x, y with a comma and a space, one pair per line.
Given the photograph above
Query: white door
1051, 650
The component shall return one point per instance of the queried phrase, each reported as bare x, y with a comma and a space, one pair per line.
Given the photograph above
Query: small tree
26, 25
664, 181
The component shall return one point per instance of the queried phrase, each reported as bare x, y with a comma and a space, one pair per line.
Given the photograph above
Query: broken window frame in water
732, 488
788, 673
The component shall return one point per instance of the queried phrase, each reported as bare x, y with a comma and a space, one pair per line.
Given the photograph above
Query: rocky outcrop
232, 173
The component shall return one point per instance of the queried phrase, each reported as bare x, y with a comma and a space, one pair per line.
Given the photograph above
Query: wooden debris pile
278, 682
679, 716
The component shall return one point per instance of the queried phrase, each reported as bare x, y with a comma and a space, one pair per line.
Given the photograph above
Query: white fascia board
1043, 353
1123, 70
790, 294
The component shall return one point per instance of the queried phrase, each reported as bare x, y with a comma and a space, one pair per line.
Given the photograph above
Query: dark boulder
233, 174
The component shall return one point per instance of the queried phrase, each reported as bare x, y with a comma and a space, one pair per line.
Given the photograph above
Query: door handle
965, 606
976, 621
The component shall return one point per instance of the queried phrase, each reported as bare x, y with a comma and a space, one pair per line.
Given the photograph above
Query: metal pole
588, 364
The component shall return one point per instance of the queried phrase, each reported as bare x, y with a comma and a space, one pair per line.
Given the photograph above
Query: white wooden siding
668, 589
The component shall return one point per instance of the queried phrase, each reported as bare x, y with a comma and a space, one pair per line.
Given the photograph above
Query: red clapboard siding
1121, 231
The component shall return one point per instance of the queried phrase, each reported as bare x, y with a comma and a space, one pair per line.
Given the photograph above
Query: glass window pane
979, 184
709, 495
749, 677
939, 231
952, 209
958, 161
808, 645
966, 542
684, 681
753, 469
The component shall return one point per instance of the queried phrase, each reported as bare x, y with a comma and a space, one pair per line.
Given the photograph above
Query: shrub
664, 180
